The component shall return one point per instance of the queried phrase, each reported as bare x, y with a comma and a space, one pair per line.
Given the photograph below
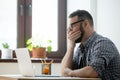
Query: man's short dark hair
82, 14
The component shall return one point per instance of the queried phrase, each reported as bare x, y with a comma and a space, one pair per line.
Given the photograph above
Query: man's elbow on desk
86, 72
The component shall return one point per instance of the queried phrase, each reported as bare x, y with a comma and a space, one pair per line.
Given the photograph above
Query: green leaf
49, 48
49, 41
29, 41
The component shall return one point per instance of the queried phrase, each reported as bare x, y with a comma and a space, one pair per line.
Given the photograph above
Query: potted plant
38, 47
6, 52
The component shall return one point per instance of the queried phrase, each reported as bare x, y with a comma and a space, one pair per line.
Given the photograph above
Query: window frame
24, 27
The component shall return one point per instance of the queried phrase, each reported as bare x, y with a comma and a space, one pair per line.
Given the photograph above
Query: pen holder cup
46, 68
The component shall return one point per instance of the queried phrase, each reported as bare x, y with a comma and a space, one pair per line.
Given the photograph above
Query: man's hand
72, 36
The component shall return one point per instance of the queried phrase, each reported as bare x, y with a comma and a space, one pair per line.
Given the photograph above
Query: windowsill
14, 60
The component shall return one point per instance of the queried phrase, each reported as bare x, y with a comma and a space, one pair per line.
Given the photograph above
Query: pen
51, 61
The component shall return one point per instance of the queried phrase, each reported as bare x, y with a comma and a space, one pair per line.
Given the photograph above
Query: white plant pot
7, 54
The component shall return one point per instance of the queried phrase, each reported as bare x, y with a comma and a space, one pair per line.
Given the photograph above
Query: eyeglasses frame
70, 27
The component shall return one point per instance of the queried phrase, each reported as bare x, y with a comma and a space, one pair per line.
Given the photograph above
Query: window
30, 19
8, 22
45, 20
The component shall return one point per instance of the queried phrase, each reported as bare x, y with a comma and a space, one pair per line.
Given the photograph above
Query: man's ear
85, 23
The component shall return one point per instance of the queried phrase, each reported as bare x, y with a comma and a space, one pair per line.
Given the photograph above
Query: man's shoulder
100, 38
104, 44
102, 41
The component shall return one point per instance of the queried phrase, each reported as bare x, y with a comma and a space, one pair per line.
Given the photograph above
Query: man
96, 56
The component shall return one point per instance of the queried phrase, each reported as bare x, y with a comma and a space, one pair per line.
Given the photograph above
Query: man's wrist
71, 45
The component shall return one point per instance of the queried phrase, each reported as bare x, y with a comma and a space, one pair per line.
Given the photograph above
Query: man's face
76, 25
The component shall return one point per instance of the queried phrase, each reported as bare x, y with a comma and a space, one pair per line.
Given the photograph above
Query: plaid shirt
102, 55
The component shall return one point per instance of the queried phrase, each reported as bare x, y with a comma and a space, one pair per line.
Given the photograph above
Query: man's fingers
74, 35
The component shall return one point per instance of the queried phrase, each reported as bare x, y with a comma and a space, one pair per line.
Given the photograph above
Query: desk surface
19, 77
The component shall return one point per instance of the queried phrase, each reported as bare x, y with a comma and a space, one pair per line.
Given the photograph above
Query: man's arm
67, 60
87, 71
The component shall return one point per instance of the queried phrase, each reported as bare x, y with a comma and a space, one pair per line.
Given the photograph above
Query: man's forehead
73, 19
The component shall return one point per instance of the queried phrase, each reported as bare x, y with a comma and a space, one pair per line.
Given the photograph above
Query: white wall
73, 5
108, 19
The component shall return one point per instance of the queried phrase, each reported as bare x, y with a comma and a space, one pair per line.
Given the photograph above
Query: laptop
25, 64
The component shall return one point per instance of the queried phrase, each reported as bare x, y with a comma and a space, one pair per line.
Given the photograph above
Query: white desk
18, 77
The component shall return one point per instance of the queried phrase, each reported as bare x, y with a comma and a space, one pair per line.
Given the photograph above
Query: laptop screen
24, 62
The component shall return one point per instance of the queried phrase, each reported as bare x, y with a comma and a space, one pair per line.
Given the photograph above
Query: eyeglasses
70, 27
